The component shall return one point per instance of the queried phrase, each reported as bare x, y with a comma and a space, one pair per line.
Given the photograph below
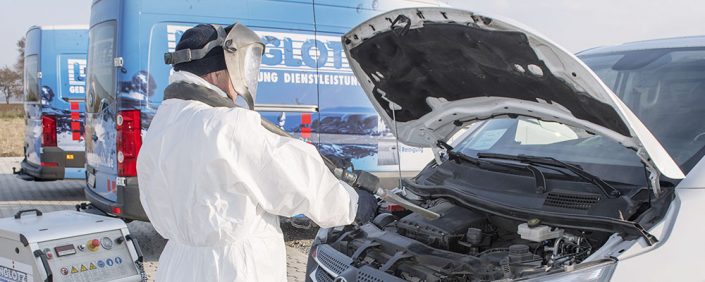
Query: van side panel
302, 68
349, 126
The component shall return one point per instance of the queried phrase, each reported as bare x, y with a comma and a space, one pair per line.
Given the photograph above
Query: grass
11, 111
11, 130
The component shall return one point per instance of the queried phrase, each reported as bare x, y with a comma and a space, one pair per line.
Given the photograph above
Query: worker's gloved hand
366, 181
366, 207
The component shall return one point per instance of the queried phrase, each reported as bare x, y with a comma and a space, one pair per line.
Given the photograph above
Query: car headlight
600, 271
321, 236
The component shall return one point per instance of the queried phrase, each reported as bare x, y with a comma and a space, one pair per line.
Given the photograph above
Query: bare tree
19, 66
10, 83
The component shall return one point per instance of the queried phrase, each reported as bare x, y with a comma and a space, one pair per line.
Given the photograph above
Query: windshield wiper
535, 172
606, 189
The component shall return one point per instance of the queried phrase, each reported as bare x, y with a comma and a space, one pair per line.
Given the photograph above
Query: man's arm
292, 179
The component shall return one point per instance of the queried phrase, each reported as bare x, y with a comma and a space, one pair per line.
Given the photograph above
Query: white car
559, 181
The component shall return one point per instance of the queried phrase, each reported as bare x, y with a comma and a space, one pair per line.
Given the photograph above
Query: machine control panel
103, 256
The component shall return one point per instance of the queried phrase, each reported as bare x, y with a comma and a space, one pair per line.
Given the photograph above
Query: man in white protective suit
214, 181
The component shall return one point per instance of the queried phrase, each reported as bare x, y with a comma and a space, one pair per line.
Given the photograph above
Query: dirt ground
11, 130
11, 137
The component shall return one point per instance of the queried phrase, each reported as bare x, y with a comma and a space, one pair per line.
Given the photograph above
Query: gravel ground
299, 239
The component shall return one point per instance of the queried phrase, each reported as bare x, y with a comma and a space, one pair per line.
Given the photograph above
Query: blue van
306, 85
54, 95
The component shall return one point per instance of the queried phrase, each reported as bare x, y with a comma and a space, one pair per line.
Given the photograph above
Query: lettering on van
76, 73
294, 58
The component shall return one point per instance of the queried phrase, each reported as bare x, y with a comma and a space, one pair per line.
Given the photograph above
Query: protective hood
434, 70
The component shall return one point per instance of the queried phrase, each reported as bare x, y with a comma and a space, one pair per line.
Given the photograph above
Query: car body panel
508, 71
679, 247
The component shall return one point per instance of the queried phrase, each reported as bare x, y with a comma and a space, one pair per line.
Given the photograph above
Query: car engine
461, 245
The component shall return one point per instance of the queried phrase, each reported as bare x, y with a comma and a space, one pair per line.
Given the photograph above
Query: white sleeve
292, 179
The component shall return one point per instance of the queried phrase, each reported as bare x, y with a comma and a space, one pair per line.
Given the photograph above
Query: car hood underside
430, 71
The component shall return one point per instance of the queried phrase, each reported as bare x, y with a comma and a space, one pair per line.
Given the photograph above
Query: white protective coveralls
213, 182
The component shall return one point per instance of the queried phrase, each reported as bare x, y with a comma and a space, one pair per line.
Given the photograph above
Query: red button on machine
93, 245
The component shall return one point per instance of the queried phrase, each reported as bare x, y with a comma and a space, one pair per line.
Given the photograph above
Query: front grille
571, 200
323, 276
331, 259
368, 277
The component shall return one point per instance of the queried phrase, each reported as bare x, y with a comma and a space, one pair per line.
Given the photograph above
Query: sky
581, 24
573, 24
16, 16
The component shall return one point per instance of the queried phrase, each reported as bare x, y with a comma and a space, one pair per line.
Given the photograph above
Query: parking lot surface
17, 194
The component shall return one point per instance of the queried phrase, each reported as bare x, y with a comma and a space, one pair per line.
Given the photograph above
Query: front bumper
128, 201
326, 264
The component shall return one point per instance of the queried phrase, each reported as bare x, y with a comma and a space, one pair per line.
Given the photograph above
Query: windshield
665, 88
31, 67
101, 71
529, 136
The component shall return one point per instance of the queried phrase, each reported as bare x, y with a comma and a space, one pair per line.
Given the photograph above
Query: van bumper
128, 201
68, 164
42, 172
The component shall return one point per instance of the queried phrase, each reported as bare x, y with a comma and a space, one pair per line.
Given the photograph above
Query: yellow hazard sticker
69, 156
74, 270
92, 266
83, 268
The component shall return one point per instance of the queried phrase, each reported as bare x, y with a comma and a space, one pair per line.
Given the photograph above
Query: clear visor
253, 59
243, 55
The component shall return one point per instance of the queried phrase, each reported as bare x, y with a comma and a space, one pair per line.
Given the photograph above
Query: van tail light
48, 131
129, 141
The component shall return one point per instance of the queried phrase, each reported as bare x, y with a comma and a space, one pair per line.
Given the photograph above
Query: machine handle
138, 250
18, 215
45, 263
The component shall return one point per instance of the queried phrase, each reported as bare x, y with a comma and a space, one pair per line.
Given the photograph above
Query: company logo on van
294, 58
76, 75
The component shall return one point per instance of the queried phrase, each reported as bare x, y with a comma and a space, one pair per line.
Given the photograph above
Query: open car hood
434, 70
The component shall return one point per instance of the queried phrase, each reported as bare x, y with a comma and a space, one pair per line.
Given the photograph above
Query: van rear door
72, 90
101, 159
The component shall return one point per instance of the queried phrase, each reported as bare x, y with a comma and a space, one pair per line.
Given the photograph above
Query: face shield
243, 52
243, 55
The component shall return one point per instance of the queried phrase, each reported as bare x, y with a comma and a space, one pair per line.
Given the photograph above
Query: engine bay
462, 245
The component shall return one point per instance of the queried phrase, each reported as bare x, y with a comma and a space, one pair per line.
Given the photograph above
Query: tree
10, 83
19, 66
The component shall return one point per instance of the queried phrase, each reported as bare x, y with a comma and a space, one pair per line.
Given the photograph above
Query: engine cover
444, 232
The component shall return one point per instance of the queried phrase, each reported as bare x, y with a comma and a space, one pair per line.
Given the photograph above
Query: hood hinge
654, 174
438, 152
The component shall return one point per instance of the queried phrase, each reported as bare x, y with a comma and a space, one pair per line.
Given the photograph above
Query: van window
31, 67
101, 71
